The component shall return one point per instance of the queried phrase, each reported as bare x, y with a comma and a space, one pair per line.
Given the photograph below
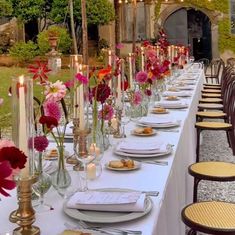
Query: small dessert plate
143, 134
137, 165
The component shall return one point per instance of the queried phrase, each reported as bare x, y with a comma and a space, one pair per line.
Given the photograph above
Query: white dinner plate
148, 155
137, 165
108, 217
160, 125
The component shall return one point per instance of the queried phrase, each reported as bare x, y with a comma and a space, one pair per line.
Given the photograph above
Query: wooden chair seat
210, 106
213, 125
211, 84
210, 100
214, 171
211, 95
211, 114
205, 90
210, 217
212, 87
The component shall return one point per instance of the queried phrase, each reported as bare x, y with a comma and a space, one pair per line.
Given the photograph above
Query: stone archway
168, 9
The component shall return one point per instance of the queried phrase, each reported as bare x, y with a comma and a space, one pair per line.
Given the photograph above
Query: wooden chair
212, 217
231, 62
205, 63
212, 171
225, 126
214, 70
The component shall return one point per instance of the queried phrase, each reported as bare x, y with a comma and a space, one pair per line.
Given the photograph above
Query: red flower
40, 71
5, 172
104, 72
148, 92
49, 121
125, 85
101, 92
16, 158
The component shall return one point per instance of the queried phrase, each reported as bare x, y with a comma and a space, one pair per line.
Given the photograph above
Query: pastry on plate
172, 97
128, 163
116, 164
172, 89
160, 110
143, 130
122, 164
51, 154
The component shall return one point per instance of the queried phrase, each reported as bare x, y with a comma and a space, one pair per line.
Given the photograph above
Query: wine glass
125, 117
85, 155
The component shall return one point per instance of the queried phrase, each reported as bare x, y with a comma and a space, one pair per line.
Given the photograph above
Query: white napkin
140, 147
175, 93
49, 167
153, 120
69, 129
170, 104
108, 201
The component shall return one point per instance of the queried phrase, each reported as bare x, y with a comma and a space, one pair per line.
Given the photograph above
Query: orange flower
104, 72
150, 75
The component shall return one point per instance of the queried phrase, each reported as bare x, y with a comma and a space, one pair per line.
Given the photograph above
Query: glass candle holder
23, 121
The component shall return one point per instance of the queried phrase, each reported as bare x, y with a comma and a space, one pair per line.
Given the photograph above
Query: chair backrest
231, 62
205, 63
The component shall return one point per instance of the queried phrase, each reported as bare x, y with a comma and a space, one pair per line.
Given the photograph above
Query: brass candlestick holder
24, 216
82, 143
72, 159
117, 134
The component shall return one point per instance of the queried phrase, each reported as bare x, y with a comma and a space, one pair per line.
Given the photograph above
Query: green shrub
24, 52
64, 40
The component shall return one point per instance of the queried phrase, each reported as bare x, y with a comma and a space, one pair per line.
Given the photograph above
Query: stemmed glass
85, 155
125, 117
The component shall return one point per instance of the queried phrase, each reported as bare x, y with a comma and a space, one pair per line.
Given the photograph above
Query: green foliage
99, 12
102, 44
226, 39
24, 52
5, 8
29, 10
64, 40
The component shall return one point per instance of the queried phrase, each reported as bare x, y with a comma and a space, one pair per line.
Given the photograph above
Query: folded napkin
153, 120
108, 201
141, 147
177, 93
170, 104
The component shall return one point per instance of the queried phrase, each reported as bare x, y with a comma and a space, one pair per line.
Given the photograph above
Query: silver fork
110, 229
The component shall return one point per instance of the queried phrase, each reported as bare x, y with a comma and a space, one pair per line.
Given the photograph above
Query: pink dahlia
52, 109
55, 91
141, 77
106, 113
6, 143
137, 98
81, 78
69, 83
41, 143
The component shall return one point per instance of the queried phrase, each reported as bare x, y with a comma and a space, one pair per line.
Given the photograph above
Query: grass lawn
6, 75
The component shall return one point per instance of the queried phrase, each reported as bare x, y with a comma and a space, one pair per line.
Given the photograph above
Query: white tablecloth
172, 181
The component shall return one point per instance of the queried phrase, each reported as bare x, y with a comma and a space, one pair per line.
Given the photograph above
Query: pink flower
52, 109
55, 91
41, 143
137, 98
148, 92
6, 143
69, 83
141, 77
106, 113
151, 55
82, 79
119, 46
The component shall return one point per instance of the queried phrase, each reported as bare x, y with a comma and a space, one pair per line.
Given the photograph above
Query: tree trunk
84, 33
75, 47
117, 25
134, 26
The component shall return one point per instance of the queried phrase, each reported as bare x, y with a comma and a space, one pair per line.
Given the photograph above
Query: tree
5, 8
99, 12
84, 32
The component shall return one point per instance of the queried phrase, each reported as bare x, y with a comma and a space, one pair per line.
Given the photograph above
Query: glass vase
61, 178
145, 106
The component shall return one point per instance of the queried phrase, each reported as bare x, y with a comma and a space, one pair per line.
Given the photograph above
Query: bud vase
61, 178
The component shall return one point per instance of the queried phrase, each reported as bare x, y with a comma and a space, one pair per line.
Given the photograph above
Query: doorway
190, 27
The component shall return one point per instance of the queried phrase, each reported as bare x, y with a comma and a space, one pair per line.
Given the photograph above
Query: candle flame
21, 80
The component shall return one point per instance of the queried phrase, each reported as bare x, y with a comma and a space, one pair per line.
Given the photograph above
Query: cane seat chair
211, 100
212, 171
214, 70
211, 217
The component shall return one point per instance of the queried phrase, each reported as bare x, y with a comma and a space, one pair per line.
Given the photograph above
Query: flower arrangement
11, 161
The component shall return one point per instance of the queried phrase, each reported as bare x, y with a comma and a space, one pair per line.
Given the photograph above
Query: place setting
171, 104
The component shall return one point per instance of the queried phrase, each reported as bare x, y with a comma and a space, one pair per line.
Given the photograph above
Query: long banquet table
172, 181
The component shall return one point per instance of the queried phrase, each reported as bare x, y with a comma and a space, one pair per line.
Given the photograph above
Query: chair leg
192, 232
198, 145
228, 138
195, 187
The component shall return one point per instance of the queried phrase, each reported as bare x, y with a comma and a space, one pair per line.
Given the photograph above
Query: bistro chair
212, 171
214, 70
227, 126
213, 217
231, 62
205, 63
